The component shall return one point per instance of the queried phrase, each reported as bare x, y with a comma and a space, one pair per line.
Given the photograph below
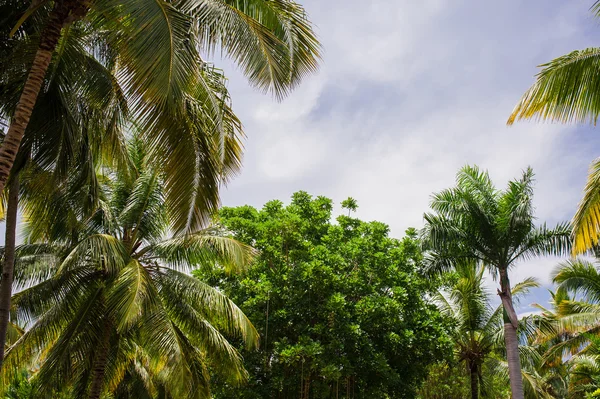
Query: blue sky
408, 92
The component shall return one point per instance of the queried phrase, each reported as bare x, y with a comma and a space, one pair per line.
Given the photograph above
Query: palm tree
478, 331
70, 129
566, 90
569, 330
111, 292
474, 221
153, 48
468, 305
577, 317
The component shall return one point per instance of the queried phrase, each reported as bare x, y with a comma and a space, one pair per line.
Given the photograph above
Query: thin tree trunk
474, 382
100, 362
9, 261
63, 12
510, 337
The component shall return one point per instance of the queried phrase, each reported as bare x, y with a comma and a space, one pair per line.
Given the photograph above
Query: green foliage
142, 63
566, 90
476, 223
20, 387
451, 381
110, 298
339, 306
350, 204
445, 381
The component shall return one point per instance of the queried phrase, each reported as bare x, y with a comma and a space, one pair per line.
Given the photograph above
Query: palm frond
156, 51
272, 41
207, 249
586, 222
198, 148
566, 90
579, 276
100, 251
515, 213
522, 288
130, 295
541, 241
210, 303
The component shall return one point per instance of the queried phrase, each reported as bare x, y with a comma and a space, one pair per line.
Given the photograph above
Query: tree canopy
340, 306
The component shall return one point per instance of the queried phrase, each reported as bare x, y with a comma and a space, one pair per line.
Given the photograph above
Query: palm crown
566, 90
110, 293
476, 222
143, 61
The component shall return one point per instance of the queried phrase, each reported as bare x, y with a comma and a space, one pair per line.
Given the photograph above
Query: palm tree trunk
474, 381
100, 362
510, 337
64, 11
9, 261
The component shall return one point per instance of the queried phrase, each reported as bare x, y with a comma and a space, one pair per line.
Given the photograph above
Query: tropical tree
566, 90
476, 322
474, 221
70, 129
153, 49
577, 317
567, 332
111, 295
340, 305
478, 331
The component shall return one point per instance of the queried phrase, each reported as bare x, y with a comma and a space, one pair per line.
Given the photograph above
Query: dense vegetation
130, 282
341, 307
110, 290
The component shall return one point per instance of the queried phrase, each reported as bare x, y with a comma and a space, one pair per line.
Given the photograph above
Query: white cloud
409, 92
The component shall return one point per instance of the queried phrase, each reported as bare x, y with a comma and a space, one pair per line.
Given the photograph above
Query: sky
407, 93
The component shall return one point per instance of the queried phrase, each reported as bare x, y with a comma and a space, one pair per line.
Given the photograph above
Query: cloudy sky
410, 91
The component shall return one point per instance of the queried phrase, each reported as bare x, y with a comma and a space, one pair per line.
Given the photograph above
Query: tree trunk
100, 362
510, 337
9, 262
62, 12
474, 381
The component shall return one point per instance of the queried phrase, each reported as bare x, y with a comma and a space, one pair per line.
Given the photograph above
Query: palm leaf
211, 304
272, 41
586, 222
566, 90
207, 248
130, 295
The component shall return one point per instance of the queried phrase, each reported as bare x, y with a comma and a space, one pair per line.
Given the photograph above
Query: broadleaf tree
339, 305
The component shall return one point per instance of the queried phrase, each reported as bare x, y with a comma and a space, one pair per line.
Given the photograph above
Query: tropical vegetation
476, 222
340, 306
565, 91
108, 298
128, 280
153, 51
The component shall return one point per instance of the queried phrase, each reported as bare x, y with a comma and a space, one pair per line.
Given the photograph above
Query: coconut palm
153, 49
475, 221
569, 329
577, 317
110, 292
475, 333
566, 90
478, 333
69, 131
